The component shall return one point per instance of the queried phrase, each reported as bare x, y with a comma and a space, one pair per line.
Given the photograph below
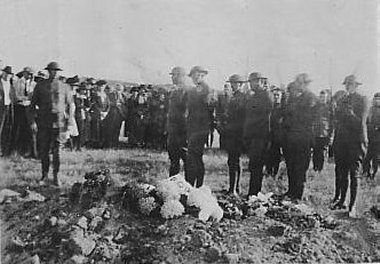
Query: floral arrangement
170, 196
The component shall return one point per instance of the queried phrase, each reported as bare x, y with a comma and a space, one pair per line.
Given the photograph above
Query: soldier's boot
43, 179
353, 191
238, 181
233, 182
337, 190
343, 191
255, 182
56, 182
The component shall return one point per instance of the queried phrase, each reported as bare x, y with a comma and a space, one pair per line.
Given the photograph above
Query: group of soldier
267, 123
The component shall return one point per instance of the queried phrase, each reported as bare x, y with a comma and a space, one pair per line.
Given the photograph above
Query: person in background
373, 126
54, 101
81, 103
230, 122
256, 129
351, 139
221, 112
99, 107
176, 121
276, 132
199, 105
6, 110
298, 127
322, 129
22, 137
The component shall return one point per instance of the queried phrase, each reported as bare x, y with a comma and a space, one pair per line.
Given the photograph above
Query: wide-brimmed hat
8, 69
236, 78
82, 86
73, 80
303, 78
28, 70
256, 76
101, 82
178, 70
351, 79
53, 66
41, 74
197, 69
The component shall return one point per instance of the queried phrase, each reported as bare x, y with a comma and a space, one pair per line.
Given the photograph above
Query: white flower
168, 190
147, 205
203, 199
171, 209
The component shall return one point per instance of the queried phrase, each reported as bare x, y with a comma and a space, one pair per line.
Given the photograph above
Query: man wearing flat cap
230, 121
256, 129
6, 110
351, 139
23, 136
54, 101
199, 106
176, 125
298, 123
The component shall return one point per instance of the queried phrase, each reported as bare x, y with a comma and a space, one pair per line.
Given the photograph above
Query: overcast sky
141, 40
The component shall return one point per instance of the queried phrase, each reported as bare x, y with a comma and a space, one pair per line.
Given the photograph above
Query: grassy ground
150, 166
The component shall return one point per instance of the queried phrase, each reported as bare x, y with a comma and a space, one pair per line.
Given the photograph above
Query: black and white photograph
189, 131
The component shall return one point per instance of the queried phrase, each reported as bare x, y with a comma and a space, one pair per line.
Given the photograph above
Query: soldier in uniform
221, 112
298, 121
373, 125
351, 139
256, 131
230, 124
322, 129
176, 125
276, 132
199, 105
54, 101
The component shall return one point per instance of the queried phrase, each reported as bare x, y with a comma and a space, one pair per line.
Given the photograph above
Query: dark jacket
231, 114
322, 126
199, 107
176, 111
54, 99
257, 115
299, 115
351, 115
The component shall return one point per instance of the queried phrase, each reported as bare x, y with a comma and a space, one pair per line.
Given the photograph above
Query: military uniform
349, 144
198, 126
298, 121
256, 135
232, 124
276, 139
322, 131
176, 128
373, 126
53, 99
